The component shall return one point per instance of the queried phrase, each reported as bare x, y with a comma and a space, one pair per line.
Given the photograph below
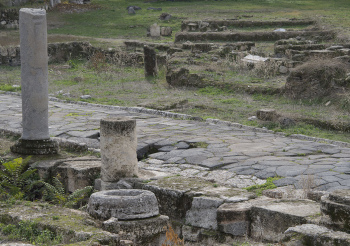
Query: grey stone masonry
150, 61
34, 80
118, 150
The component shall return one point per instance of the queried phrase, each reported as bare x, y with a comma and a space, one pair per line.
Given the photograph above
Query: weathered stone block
337, 207
155, 30
269, 221
203, 212
77, 174
314, 235
166, 31
173, 203
234, 218
149, 231
267, 114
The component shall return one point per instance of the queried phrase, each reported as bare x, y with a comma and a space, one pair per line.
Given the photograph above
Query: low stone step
314, 235
270, 220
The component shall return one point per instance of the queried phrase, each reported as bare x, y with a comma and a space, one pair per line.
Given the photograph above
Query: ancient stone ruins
159, 169
34, 76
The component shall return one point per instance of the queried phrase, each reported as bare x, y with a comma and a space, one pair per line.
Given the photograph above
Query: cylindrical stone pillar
118, 144
150, 60
34, 81
34, 74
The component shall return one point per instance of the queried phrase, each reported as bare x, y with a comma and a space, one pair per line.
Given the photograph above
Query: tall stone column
118, 144
34, 81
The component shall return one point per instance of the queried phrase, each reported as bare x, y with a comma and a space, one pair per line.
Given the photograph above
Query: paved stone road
226, 153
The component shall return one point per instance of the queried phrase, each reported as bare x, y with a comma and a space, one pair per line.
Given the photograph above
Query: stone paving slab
227, 153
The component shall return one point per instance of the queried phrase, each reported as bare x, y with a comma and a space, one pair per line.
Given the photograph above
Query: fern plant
56, 194
18, 178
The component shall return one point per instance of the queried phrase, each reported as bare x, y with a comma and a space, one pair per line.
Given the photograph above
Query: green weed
7, 87
258, 189
199, 145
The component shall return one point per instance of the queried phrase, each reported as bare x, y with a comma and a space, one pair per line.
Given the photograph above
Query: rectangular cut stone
203, 212
234, 218
271, 220
34, 73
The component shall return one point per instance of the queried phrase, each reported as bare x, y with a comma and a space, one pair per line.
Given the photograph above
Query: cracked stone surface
226, 154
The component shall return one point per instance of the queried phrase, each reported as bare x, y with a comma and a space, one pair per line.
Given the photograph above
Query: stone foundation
35, 147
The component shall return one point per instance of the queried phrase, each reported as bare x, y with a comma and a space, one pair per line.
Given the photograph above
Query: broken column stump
118, 150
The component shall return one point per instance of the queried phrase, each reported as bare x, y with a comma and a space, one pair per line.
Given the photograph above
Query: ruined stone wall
62, 52
10, 3
9, 18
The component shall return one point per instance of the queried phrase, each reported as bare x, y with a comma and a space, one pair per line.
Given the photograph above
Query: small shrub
98, 62
73, 64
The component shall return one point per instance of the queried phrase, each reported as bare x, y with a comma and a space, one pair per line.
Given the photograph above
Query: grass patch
6, 87
258, 189
30, 231
199, 145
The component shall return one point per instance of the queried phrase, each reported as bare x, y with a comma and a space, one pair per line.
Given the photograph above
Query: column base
35, 147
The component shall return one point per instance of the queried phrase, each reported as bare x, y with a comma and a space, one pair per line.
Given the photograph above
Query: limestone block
337, 207
174, 203
166, 31
79, 173
141, 232
269, 221
314, 235
191, 234
123, 204
45, 168
234, 218
155, 30
203, 212
267, 114
118, 149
